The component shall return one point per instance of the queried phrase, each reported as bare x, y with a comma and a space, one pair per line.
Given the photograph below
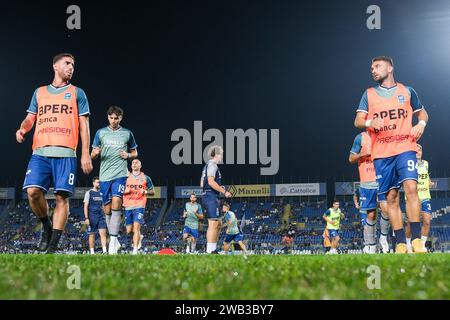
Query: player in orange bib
386, 111
134, 200
61, 113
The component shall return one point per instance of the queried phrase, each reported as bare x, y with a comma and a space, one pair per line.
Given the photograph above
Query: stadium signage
261, 190
298, 189
7, 193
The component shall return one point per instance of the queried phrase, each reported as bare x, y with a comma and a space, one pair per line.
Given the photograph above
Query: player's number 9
411, 165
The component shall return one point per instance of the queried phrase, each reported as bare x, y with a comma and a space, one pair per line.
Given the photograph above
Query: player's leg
117, 189
193, 243
407, 233
60, 217
37, 181
136, 236
91, 243
129, 226
105, 191
226, 247
102, 233
384, 224
426, 224
211, 235
211, 205
395, 217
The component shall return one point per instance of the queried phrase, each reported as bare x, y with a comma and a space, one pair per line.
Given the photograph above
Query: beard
381, 79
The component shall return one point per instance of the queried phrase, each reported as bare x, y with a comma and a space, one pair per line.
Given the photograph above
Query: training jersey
367, 176
191, 218
395, 105
233, 228
211, 170
111, 142
94, 200
134, 198
334, 215
57, 125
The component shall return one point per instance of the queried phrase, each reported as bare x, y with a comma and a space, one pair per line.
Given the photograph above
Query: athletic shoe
384, 244
372, 249
417, 246
400, 248
112, 246
366, 249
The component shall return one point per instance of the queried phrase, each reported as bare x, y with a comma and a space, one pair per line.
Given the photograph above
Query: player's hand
86, 221
96, 151
417, 131
227, 194
20, 135
124, 155
86, 163
376, 123
357, 205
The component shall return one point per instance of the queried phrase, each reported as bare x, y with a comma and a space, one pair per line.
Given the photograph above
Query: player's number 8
71, 179
411, 165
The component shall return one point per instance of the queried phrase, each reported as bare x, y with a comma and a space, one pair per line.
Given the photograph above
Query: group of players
61, 112
385, 152
388, 158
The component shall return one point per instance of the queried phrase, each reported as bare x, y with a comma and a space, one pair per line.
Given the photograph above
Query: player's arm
86, 207
96, 146
419, 128
199, 212
25, 127
362, 122
325, 216
212, 182
355, 201
86, 161
150, 187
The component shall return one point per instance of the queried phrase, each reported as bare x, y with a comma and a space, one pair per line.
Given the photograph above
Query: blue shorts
42, 171
382, 197
234, 237
392, 171
333, 233
190, 231
112, 188
367, 199
426, 206
363, 217
211, 204
134, 215
96, 221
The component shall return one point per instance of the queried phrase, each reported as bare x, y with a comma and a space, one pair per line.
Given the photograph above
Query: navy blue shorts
367, 199
134, 215
112, 188
211, 204
96, 221
426, 206
190, 231
333, 233
42, 171
393, 171
234, 237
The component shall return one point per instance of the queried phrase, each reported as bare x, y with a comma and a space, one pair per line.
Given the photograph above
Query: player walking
94, 216
61, 113
333, 218
386, 111
115, 145
134, 200
233, 233
192, 213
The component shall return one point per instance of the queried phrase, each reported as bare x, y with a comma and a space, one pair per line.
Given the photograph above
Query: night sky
232, 64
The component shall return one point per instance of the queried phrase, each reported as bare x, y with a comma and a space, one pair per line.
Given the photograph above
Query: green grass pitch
224, 277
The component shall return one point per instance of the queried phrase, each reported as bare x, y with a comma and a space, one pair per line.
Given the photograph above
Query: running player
193, 211
135, 200
94, 216
233, 233
360, 153
424, 186
386, 111
61, 113
115, 145
333, 218
210, 182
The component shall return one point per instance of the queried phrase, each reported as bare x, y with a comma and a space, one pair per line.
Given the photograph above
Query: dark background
301, 68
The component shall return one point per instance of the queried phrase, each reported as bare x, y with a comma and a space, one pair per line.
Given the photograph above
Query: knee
411, 190
34, 193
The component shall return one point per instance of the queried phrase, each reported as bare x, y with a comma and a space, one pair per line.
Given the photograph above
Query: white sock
210, 247
408, 242
193, 246
92, 250
424, 239
187, 249
104, 249
135, 250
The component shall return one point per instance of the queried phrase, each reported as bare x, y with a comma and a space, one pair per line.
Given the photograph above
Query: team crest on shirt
67, 96
401, 99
